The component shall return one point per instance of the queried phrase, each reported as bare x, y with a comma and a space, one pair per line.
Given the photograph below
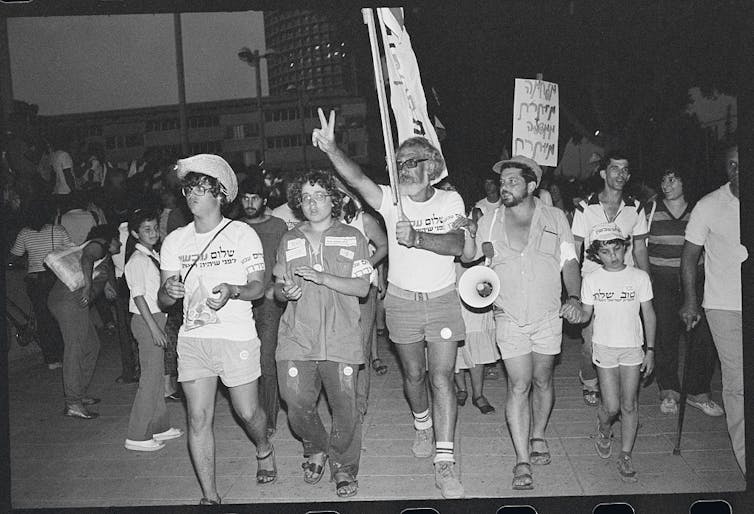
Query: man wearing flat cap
217, 266
528, 245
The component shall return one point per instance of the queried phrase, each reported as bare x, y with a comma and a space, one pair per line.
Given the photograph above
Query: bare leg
543, 393
245, 400
200, 401
609, 379
477, 380
442, 360
517, 411
414, 375
629, 406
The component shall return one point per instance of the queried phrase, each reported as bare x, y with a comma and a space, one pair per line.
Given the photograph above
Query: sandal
267, 476
378, 366
626, 468
461, 396
312, 471
591, 398
483, 405
347, 488
539, 458
207, 501
522, 480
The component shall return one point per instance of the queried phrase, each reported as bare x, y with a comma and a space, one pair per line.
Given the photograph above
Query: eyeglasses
198, 190
409, 163
318, 197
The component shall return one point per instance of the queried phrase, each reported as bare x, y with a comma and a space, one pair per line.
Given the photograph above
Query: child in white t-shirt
616, 293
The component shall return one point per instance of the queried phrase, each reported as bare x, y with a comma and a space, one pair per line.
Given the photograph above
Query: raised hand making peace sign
324, 137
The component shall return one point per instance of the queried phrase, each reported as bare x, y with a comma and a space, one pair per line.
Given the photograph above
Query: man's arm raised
324, 139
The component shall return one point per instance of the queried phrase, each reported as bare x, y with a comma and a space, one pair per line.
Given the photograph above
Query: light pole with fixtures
253, 59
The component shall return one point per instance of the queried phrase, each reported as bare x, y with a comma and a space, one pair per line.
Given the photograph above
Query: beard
510, 199
252, 213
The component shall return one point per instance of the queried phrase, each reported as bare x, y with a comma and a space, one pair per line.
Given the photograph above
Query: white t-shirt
412, 268
617, 297
60, 161
143, 278
285, 213
487, 207
235, 252
631, 219
715, 224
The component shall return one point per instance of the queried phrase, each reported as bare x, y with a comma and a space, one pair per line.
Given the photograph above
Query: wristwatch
236, 294
419, 241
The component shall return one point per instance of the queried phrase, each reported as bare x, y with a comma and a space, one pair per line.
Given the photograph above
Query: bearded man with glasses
422, 307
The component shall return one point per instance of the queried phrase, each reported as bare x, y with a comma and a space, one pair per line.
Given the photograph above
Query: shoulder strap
651, 215
204, 250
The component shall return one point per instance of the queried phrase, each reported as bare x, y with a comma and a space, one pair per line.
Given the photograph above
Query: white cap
606, 232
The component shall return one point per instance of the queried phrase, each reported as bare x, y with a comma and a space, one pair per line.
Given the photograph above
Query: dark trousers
173, 325
129, 352
300, 385
267, 314
38, 286
368, 308
668, 298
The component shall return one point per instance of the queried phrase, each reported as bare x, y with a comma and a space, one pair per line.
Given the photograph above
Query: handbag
66, 264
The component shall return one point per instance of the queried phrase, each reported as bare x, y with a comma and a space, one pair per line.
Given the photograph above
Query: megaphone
479, 287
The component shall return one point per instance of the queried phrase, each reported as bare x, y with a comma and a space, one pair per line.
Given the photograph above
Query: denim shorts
543, 336
435, 320
235, 362
609, 357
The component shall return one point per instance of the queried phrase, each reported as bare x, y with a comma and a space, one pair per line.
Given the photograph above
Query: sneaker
54, 365
626, 469
171, 433
446, 481
709, 407
424, 443
150, 445
603, 443
669, 406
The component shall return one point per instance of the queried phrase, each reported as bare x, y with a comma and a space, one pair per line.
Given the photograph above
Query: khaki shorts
513, 340
235, 362
434, 320
609, 357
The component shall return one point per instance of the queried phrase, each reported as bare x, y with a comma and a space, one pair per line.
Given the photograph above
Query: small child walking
149, 424
616, 293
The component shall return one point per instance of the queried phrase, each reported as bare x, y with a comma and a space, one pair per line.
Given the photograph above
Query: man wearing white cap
529, 245
217, 266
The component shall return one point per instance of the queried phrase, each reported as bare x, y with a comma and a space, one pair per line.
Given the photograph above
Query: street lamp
253, 59
300, 97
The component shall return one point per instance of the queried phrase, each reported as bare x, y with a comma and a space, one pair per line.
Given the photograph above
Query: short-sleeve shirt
235, 252
285, 213
323, 324
530, 283
487, 207
617, 297
37, 244
631, 219
715, 224
143, 278
416, 269
60, 161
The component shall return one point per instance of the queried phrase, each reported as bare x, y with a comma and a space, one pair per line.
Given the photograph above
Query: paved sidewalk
63, 462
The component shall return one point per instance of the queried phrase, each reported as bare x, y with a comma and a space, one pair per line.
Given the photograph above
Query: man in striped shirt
668, 222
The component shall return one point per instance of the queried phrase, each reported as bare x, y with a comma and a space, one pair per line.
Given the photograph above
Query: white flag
406, 92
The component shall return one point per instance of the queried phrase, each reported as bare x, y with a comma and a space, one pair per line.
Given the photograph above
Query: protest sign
535, 121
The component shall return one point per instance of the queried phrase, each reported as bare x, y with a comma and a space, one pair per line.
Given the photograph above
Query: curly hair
432, 153
323, 178
194, 179
108, 232
594, 247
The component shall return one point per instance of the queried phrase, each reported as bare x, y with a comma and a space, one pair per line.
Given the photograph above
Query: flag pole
387, 133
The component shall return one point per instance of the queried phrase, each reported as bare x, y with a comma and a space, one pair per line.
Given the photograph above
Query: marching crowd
280, 289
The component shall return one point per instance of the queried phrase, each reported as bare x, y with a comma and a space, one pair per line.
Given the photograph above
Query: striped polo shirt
37, 244
666, 237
